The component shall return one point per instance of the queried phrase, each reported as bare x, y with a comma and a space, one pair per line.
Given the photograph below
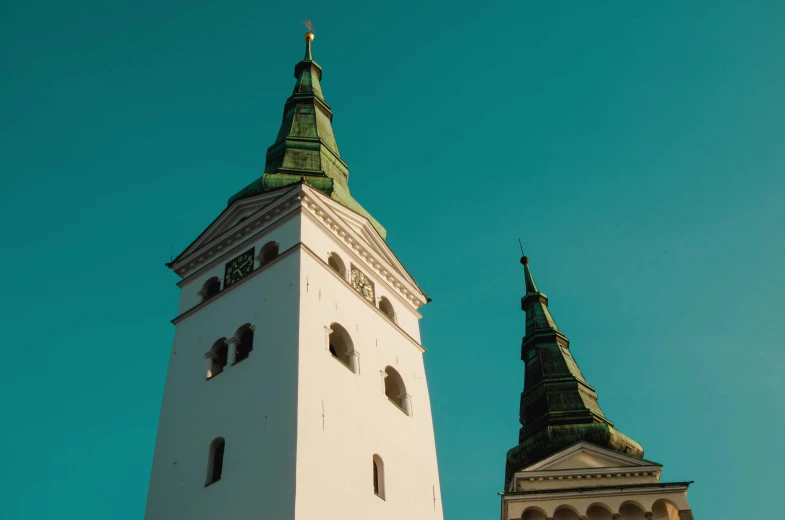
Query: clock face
238, 268
361, 284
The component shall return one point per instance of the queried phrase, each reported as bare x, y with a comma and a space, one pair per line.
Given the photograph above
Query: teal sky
635, 147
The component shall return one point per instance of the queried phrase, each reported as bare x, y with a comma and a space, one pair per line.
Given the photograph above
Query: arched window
533, 514
244, 336
215, 461
268, 253
395, 390
217, 356
630, 511
599, 512
341, 346
378, 476
210, 288
386, 307
337, 265
565, 513
664, 509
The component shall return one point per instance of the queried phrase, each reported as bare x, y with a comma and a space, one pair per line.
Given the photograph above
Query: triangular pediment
232, 216
588, 456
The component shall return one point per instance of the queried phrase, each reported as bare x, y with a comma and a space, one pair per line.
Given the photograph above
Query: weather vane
308, 24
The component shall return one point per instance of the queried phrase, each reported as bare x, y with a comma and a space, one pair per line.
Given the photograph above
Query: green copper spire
305, 149
558, 406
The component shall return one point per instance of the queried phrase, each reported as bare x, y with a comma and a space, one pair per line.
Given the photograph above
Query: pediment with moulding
588, 465
225, 224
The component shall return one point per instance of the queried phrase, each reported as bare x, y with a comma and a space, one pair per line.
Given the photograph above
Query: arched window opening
337, 265
395, 390
665, 510
378, 476
210, 288
533, 514
564, 513
631, 511
215, 461
268, 253
341, 345
218, 356
598, 512
244, 338
386, 307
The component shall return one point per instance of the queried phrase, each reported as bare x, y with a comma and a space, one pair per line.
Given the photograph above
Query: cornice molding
297, 247
620, 490
586, 474
221, 254
317, 207
229, 289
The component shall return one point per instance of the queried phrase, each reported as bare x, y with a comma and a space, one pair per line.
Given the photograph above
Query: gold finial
310, 34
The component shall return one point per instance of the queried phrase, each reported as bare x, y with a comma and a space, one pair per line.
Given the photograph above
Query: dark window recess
245, 345
269, 252
220, 359
215, 470
211, 288
375, 478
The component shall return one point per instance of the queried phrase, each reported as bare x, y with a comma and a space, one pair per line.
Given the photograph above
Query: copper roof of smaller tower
558, 406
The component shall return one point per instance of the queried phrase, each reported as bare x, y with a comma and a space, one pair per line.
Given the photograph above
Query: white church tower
296, 387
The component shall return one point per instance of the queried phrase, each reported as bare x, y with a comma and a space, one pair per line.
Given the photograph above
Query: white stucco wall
252, 404
301, 429
334, 458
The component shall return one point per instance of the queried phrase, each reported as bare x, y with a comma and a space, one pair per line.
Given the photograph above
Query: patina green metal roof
558, 406
305, 149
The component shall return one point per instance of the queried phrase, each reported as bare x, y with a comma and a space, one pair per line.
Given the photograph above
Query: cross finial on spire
309, 36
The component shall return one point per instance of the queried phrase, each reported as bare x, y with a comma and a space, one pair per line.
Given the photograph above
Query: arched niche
210, 288
534, 513
664, 509
378, 476
217, 358
599, 512
336, 264
395, 390
387, 308
632, 511
565, 513
215, 461
268, 253
243, 342
341, 345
